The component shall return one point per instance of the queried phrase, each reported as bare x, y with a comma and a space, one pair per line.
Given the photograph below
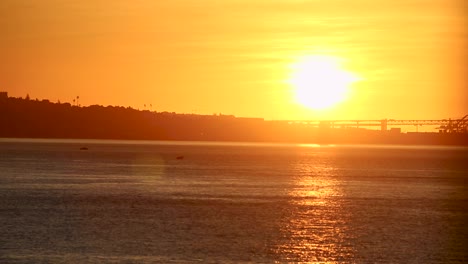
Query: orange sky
234, 56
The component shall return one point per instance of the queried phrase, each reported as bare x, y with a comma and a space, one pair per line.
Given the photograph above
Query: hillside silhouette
26, 118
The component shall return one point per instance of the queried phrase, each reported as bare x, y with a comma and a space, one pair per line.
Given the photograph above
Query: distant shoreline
25, 118
85, 141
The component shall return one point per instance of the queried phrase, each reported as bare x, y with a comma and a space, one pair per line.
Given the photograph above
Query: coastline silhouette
26, 118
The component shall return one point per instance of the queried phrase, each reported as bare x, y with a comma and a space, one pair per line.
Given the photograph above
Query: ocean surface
136, 202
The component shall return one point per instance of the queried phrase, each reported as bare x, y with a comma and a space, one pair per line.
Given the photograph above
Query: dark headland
27, 118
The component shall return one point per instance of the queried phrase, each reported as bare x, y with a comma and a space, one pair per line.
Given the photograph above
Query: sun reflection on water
315, 230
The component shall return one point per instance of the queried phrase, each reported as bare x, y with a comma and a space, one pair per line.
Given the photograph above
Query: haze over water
135, 202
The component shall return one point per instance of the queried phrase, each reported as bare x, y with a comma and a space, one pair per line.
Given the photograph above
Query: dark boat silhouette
180, 157
83, 148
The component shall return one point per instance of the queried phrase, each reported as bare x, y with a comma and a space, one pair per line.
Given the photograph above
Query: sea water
185, 202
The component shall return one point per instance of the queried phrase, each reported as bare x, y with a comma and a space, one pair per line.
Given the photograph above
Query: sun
320, 82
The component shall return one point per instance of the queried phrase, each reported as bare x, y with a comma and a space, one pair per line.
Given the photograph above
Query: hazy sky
235, 56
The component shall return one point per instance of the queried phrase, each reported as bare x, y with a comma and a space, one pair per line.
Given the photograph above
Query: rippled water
135, 202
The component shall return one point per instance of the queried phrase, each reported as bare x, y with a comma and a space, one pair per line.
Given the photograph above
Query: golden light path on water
317, 227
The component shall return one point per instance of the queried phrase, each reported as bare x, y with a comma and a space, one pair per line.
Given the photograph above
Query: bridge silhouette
443, 125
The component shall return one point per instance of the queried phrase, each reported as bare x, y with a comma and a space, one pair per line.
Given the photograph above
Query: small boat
83, 148
180, 157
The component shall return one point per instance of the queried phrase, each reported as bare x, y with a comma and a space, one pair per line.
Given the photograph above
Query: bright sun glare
320, 82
